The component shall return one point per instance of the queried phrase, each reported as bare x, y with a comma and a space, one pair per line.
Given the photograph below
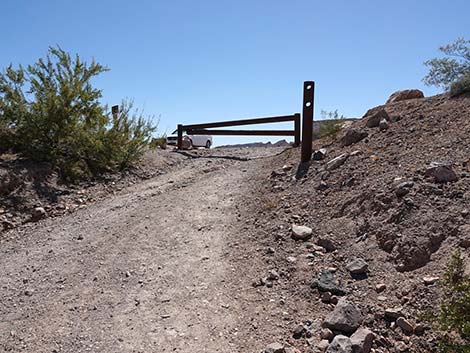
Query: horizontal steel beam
275, 119
241, 132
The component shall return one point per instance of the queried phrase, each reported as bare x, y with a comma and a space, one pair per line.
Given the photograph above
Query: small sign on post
115, 110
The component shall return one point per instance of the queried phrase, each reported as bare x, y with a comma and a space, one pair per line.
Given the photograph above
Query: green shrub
445, 71
54, 115
461, 86
453, 316
158, 142
331, 123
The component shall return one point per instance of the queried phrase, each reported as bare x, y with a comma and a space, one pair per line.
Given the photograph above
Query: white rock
301, 232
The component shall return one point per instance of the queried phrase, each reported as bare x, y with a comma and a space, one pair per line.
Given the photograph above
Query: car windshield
176, 132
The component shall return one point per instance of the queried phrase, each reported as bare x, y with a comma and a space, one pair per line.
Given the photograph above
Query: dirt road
147, 270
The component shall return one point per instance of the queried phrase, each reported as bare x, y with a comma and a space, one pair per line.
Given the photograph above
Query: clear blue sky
197, 61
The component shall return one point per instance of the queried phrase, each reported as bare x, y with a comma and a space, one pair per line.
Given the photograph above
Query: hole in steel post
309, 87
308, 104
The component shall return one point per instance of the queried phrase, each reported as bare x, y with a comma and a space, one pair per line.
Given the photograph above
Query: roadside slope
375, 203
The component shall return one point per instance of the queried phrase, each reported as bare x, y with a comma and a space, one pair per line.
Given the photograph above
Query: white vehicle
194, 140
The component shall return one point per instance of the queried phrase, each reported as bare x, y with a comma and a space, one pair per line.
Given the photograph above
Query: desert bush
453, 315
54, 114
331, 123
446, 71
461, 86
158, 142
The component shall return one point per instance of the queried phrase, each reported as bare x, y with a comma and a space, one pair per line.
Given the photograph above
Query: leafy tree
50, 111
451, 69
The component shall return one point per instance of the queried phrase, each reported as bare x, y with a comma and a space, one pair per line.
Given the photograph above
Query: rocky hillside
355, 242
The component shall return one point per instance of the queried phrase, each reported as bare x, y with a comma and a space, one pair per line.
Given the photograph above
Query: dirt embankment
382, 223
26, 186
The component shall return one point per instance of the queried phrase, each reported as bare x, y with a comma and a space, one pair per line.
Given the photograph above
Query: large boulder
345, 318
352, 136
375, 116
404, 95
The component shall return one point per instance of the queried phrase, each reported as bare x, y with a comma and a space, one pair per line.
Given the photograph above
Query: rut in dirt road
143, 271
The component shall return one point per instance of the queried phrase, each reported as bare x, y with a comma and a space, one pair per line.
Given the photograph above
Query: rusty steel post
307, 121
297, 130
180, 137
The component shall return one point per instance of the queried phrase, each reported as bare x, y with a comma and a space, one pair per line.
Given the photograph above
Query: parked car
192, 140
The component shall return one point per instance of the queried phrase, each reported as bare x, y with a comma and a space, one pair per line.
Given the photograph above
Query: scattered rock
379, 288
326, 297
405, 95
273, 275
274, 348
465, 212
353, 136
383, 125
419, 329
299, 331
405, 325
361, 340
374, 117
465, 243
429, 280
38, 213
345, 318
326, 244
291, 259
326, 283
276, 173
357, 266
291, 350
326, 334
404, 188
319, 154
337, 162
334, 300
441, 173
322, 185
349, 181
464, 236
6, 224
301, 232
286, 167
340, 344
393, 313
320, 346
270, 251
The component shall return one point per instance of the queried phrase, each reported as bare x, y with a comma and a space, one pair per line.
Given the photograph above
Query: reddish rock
404, 95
